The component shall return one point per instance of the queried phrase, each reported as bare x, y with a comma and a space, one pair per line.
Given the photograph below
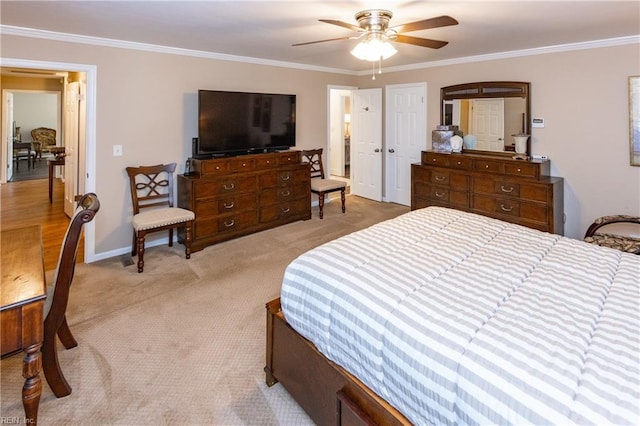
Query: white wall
32, 110
147, 103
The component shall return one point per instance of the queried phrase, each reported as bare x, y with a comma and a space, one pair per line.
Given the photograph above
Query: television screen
234, 123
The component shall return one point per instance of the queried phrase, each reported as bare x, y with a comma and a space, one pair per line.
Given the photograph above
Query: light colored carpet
183, 342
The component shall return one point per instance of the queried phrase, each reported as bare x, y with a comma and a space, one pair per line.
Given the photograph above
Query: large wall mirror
491, 111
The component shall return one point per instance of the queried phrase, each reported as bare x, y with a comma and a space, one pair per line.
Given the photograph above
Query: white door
70, 135
7, 135
366, 143
488, 123
406, 118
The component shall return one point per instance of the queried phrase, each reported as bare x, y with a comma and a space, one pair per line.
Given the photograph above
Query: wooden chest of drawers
512, 190
236, 196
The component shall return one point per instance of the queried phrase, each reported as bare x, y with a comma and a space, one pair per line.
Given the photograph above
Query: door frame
88, 184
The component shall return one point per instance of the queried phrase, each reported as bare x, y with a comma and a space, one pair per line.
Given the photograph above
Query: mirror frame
491, 89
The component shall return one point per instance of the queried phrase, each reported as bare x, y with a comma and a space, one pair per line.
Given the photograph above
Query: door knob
391, 150
376, 150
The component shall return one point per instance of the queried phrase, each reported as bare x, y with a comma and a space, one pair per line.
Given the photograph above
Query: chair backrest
151, 186
88, 206
314, 158
44, 135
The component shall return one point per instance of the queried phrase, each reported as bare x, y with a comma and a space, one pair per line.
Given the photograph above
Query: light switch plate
537, 122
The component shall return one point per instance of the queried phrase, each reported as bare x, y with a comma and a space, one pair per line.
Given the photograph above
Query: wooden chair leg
321, 203
51, 367
171, 237
342, 198
66, 338
134, 244
187, 239
140, 244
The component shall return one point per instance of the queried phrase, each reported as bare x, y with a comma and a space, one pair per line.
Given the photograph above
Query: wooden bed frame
327, 392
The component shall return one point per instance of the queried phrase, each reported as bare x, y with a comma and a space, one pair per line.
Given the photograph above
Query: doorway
337, 159
86, 159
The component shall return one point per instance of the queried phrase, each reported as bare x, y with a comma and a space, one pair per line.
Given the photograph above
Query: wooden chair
55, 322
621, 232
44, 140
24, 150
152, 187
319, 184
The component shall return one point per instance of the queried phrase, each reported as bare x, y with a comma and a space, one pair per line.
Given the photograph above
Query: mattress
456, 318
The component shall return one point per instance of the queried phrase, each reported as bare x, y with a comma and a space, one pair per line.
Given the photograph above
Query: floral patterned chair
44, 140
620, 232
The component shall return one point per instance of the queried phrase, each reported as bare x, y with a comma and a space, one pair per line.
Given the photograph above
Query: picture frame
634, 120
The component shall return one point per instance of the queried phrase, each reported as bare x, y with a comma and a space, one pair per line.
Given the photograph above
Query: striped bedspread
456, 318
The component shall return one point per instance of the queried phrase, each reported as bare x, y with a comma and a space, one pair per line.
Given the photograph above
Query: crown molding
121, 44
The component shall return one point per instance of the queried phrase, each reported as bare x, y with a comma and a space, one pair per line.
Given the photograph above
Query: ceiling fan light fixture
373, 49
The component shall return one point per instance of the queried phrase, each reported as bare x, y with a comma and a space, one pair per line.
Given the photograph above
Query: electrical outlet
117, 150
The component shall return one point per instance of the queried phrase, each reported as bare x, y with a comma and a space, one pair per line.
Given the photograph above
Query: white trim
90, 148
620, 41
122, 44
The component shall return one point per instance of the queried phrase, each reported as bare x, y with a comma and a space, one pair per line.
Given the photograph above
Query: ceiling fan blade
341, 24
424, 42
440, 21
322, 41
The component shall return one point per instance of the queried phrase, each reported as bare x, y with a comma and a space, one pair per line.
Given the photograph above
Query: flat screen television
236, 123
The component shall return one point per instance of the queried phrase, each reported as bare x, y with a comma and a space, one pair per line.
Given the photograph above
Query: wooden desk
22, 296
52, 163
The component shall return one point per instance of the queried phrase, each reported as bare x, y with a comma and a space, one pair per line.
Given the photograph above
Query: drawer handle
440, 194
486, 166
505, 189
434, 160
285, 209
459, 162
244, 164
440, 178
519, 170
286, 177
229, 224
285, 193
505, 209
229, 206
229, 186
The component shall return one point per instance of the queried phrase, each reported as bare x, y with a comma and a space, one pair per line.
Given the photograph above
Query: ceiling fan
374, 24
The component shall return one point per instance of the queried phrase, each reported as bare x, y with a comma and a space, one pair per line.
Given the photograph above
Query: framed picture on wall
634, 120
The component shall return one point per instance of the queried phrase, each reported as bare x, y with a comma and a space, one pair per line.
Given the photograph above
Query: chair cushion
324, 185
618, 242
157, 218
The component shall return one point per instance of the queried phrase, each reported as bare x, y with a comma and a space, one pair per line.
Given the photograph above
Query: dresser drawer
266, 162
488, 185
242, 164
500, 206
283, 210
289, 158
225, 224
223, 205
281, 194
211, 167
225, 185
521, 170
283, 177
435, 160
490, 166
443, 195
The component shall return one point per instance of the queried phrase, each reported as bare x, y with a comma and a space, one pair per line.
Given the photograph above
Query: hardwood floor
26, 203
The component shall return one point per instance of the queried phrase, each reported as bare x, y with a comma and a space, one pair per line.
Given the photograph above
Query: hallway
26, 203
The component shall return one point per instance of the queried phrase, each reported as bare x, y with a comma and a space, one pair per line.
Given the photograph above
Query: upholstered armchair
620, 232
44, 140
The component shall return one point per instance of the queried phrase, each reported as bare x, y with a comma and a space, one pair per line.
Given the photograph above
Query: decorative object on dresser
518, 191
152, 189
488, 111
319, 184
236, 196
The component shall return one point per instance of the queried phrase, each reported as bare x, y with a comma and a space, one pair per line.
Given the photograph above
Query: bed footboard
328, 393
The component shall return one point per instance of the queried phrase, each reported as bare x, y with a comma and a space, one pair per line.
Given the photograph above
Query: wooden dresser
516, 191
236, 196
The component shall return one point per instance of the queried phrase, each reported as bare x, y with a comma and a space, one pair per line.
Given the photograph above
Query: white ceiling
266, 29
